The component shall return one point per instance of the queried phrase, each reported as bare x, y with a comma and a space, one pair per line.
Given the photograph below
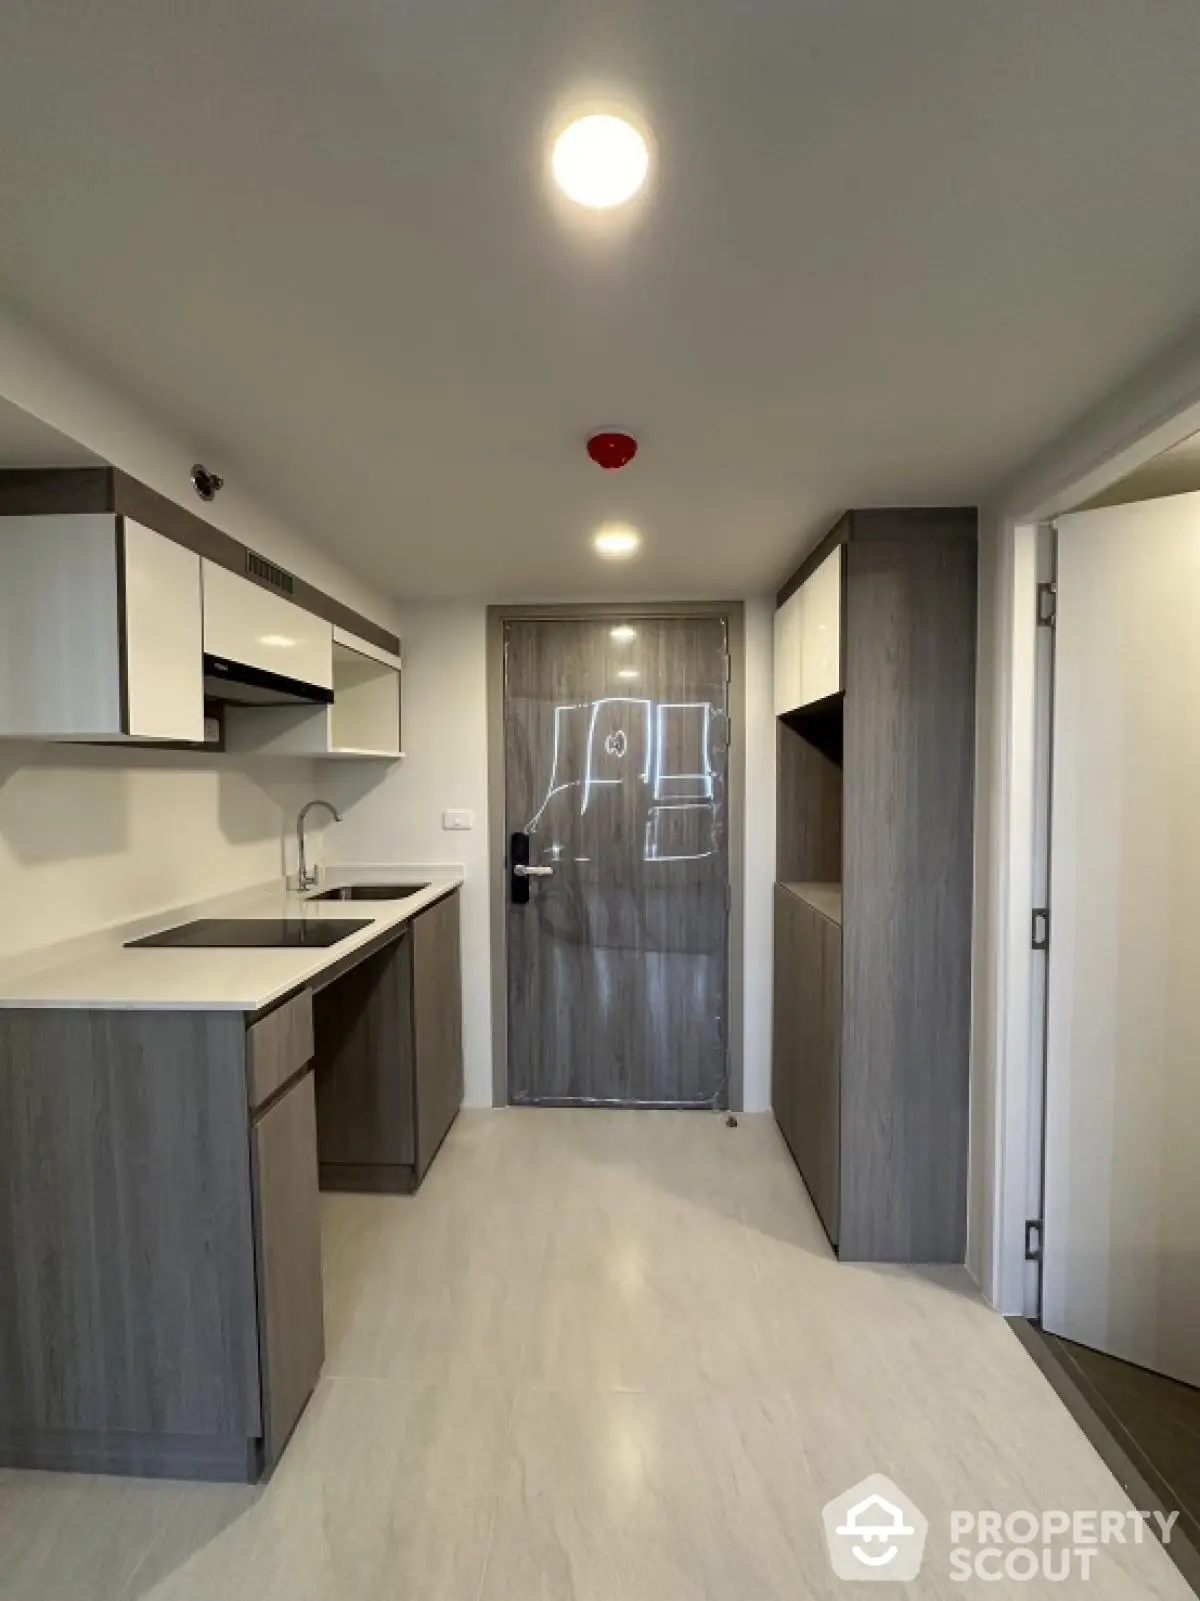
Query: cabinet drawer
277, 1047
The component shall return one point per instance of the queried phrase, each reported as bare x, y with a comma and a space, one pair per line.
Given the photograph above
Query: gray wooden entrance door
616, 740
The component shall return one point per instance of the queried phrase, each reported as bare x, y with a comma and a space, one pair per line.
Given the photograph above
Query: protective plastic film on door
616, 751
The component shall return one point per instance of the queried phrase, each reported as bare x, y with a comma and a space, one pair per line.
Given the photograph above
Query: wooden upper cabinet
100, 631
246, 623
808, 639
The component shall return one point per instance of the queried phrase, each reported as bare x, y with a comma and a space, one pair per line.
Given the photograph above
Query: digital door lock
519, 870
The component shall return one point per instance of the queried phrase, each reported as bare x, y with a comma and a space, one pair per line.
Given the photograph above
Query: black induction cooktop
208, 932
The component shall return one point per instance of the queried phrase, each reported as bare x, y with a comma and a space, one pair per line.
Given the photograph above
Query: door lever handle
522, 871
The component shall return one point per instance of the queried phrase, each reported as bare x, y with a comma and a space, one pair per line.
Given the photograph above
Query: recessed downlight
623, 634
616, 541
600, 161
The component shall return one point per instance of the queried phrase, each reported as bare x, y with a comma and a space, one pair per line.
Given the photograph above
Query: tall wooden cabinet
873, 894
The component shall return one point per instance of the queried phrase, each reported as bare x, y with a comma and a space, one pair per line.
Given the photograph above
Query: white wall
1158, 408
94, 837
90, 838
396, 816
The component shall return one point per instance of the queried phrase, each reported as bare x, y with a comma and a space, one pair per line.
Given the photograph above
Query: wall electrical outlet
455, 821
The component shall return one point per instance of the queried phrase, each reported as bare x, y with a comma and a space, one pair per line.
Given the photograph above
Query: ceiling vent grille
265, 572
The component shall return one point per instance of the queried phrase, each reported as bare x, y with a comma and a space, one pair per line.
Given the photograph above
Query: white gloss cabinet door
248, 624
60, 638
808, 639
821, 642
164, 666
788, 654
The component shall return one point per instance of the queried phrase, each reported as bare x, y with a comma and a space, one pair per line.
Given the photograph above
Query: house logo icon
875, 1532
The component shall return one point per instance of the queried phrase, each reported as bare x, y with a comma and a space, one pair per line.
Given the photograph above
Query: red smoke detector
612, 449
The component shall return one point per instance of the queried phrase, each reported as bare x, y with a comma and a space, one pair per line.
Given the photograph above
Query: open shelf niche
808, 846
362, 722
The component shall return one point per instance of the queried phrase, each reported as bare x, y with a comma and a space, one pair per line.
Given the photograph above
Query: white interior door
1122, 1220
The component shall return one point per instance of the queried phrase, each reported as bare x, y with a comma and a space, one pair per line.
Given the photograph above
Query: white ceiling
891, 249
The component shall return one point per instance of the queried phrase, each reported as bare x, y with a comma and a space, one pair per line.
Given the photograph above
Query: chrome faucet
305, 879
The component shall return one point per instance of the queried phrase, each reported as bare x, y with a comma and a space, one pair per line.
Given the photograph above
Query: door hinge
1041, 928
1047, 605
1033, 1239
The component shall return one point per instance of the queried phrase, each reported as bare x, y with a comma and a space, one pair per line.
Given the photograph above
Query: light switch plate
456, 821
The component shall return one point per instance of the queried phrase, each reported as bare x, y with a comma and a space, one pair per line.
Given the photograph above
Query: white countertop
99, 972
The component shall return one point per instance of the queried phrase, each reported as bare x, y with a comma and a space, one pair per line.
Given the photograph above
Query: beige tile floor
605, 1356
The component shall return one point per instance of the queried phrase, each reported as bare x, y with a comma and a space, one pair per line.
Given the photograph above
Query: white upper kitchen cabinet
164, 650
821, 672
808, 639
100, 631
243, 622
789, 653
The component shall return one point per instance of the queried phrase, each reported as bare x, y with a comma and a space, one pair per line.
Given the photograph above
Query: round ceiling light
616, 540
600, 161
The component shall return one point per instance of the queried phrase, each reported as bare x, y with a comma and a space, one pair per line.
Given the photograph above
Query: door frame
733, 613
1008, 1034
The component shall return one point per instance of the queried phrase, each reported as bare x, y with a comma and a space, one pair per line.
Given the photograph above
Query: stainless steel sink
369, 892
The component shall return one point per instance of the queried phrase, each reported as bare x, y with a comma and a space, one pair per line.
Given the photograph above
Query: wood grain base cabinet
160, 1269
437, 1027
287, 1230
806, 1085
389, 1061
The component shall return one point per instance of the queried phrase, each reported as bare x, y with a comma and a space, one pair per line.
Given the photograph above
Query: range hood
235, 683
